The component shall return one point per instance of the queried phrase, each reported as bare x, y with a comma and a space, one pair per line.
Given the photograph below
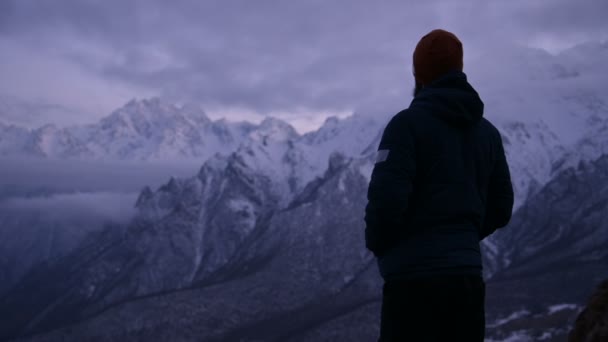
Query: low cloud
47, 207
38, 228
99, 207
76, 194
29, 176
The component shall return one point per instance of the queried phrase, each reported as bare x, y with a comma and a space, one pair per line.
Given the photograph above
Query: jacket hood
452, 99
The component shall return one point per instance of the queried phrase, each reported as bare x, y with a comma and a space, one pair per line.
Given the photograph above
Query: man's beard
417, 88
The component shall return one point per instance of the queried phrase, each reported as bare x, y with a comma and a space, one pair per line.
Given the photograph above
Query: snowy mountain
282, 280
220, 227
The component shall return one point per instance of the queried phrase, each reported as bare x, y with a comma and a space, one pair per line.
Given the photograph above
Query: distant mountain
141, 130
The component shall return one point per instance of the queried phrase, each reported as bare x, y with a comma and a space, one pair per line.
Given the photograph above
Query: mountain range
265, 242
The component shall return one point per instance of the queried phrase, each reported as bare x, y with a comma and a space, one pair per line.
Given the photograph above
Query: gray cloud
24, 176
272, 56
564, 16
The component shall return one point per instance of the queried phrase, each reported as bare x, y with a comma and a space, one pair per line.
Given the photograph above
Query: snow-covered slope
553, 252
543, 230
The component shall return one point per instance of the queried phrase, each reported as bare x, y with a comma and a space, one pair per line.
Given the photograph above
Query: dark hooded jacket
440, 184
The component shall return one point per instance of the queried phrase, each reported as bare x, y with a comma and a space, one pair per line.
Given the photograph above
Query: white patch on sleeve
381, 156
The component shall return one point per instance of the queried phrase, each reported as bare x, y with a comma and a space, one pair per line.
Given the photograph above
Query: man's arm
390, 187
499, 205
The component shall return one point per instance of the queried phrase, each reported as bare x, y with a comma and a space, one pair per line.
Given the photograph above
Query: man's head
437, 53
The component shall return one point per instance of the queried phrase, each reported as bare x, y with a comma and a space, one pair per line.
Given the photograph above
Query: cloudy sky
298, 60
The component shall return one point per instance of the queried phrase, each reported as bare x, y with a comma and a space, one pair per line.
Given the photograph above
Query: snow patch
341, 185
560, 307
245, 211
513, 316
237, 204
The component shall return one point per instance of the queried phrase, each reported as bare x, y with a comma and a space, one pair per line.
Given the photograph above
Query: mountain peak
47, 129
332, 120
145, 195
150, 105
273, 129
145, 102
272, 122
194, 111
154, 109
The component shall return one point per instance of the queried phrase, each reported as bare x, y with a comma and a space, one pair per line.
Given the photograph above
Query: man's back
449, 162
440, 185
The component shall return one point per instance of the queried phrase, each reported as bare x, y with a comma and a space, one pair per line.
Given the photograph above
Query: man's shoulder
408, 116
399, 127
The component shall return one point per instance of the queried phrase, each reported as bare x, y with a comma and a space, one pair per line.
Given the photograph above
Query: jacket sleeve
390, 187
499, 205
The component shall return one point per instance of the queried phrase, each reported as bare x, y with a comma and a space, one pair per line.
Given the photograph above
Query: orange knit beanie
437, 53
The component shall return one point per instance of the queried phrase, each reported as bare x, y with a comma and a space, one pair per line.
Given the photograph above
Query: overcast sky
299, 60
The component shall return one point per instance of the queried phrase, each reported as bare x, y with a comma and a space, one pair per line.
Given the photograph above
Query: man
440, 185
